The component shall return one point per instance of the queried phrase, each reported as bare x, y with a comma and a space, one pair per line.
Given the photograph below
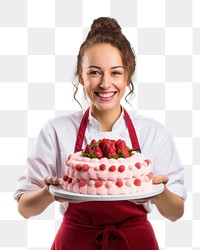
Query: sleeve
41, 162
167, 162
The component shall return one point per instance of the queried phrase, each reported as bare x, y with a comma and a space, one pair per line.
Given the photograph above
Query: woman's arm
34, 202
169, 204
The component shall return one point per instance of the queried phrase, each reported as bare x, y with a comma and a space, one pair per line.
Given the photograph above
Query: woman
105, 66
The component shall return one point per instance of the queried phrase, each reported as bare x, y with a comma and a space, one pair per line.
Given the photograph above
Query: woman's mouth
105, 96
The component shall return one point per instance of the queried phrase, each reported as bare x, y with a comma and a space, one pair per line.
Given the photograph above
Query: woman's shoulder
144, 120
68, 121
69, 116
147, 125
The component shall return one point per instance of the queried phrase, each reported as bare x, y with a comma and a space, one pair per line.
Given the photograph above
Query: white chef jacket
57, 139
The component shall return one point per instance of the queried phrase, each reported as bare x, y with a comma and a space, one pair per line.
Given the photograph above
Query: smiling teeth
105, 95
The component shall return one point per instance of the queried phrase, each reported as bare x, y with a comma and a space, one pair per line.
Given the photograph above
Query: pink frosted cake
107, 167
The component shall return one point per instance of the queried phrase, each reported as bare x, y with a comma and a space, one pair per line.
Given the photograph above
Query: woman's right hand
52, 180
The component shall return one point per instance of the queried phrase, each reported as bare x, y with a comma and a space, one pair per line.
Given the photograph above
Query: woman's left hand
156, 180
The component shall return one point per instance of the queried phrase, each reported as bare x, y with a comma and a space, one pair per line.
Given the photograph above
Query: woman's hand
52, 180
169, 204
156, 180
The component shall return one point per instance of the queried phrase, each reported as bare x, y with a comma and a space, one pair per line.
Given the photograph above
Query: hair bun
105, 24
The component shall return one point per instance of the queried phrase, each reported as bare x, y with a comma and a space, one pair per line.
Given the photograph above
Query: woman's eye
94, 73
116, 73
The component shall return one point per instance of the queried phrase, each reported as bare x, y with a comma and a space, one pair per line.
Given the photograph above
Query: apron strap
132, 132
81, 132
83, 125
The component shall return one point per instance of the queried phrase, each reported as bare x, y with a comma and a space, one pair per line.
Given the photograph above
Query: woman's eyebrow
97, 67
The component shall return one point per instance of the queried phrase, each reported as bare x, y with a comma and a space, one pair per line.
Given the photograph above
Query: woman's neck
106, 118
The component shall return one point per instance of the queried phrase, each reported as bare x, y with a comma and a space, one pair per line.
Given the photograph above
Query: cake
107, 167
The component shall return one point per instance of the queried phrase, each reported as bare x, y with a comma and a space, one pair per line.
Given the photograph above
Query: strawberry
98, 183
119, 183
78, 167
65, 178
111, 151
93, 141
112, 168
102, 167
138, 165
70, 180
137, 182
85, 167
107, 148
122, 149
82, 183
103, 144
87, 151
121, 168
97, 152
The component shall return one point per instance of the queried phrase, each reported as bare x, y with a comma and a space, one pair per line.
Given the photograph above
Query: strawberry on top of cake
107, 167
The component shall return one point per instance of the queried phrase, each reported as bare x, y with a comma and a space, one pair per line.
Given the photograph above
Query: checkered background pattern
39, 41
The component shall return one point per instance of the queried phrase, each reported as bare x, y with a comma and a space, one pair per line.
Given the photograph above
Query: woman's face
103, 76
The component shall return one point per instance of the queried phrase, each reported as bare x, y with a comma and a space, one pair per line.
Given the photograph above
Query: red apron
105, 225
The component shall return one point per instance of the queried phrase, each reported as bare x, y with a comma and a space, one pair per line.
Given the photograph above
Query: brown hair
107, 30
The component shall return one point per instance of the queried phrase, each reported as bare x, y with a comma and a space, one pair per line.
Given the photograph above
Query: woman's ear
80, 79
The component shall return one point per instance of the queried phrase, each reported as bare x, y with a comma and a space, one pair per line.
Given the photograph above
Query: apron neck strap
83, 125
132, 132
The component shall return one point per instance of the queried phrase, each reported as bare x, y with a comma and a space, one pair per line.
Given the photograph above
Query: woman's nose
105, 81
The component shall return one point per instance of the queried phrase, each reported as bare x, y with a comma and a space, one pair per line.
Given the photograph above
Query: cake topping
78, 167
138, 165
147, 161
85, 167
112, 168
82, 183
119, 183
65, 178
98, 183
121, 168
107, 148
137, 182
102, 167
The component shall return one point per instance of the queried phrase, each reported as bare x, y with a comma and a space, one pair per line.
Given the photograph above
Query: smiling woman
105, 66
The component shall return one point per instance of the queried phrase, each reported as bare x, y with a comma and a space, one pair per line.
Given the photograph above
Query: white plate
57, 191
